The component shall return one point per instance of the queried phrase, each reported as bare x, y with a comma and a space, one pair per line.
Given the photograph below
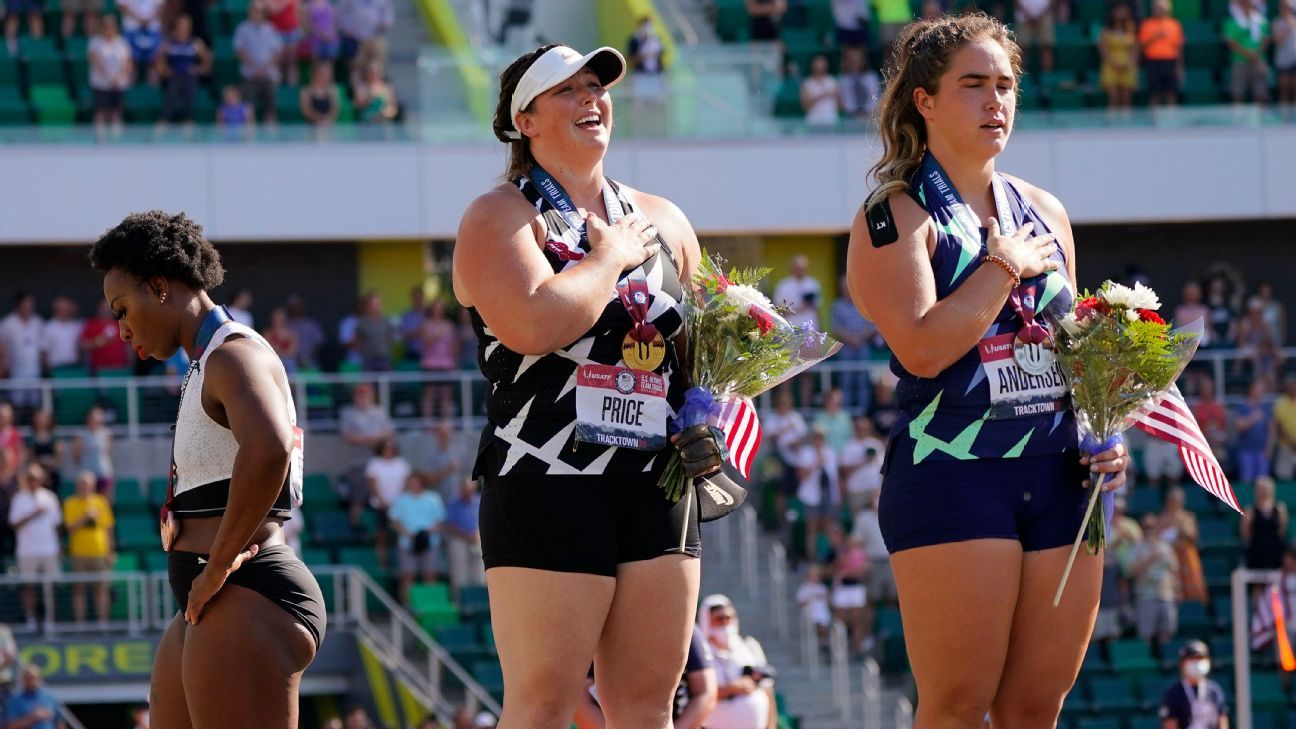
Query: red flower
1149, 315
1090, 307
764, 321
722, 282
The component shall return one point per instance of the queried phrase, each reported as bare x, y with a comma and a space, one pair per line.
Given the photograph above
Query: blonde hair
920, 56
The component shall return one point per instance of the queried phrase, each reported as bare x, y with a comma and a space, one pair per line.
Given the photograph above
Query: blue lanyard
558, 198
214, 320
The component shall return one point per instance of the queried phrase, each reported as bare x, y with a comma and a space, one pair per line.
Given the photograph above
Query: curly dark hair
159, 244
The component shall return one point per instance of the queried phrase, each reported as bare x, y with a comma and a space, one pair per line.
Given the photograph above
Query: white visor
559, 64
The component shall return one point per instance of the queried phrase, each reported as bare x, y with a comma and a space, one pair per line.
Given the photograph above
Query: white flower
744, 297
1139, 297
1073, 326
1131, 316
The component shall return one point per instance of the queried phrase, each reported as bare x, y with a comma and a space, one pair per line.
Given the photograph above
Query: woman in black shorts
575, 301
251, 615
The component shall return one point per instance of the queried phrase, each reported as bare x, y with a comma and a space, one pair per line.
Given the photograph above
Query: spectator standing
813, 597
1210, 415
141, 25
1223, 316
111, 73
104, 349
321, 26
788, 430
1284, 39
320, 101
284, 16
766, 18
467, 340
14, 11
819, 489
1033, 24
92, 451
867, 529
1162, 41
1284, 416
364, 25
1191, 309
35, 517
820, 94
860, 88
310, 335
375, 99
883, 412
851, 17
283, 339
645, 59
374, 336
463, 540
258, 45
1264, 530
44, 447
33, 707
849, 598
88, 518
181, 60
417, 516
1253, 423
410, 328
1118, 48
856, 334
835, 421
21, 335
1152, 568
1179, 529
11, 449
793, 290
61, 335
364, 424
442, 466
861, 465
240, 308
1275, 314
235, 116
1246, 33
1194, 701
385, 474
88, 10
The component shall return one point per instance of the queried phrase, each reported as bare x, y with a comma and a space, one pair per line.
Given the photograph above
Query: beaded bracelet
1006, 266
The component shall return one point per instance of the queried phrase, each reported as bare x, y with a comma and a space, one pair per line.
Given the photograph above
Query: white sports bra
204, 450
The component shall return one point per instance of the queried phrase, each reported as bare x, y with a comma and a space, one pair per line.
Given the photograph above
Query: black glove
700, 451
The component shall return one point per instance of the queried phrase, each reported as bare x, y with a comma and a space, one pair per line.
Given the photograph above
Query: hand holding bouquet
1119, 357
739, 345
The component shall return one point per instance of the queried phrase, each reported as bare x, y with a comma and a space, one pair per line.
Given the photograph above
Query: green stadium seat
143, 104
1112, 695
1201, 88
317, 491
1221, 648
153, 560
316, 556
462, 644
425, 596
1194, 621
8, 70
1266, 720
1132, 656
225, 63
474, 602
1143, 501
488, 639
1222, 610
288, 105
128, 493
1203, 46
1074, 51
1187, 11
157, 491
490, 676
14, 112
1152, 687
1089, 12
1098, 722
801, 45
1218, 570
329, 528
787, 100
43, 59
346, 112
138, 532
1267, 690
366, 558
732, 22
1028, 94
1076, 702
1144, 721
52, 104
1094, 661
127, 562
1218, 534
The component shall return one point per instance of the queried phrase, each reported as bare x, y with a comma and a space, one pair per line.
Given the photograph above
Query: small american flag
742, 432
1171, 420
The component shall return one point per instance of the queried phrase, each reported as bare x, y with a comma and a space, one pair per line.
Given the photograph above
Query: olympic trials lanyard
558, 198
214, 320
1031, 348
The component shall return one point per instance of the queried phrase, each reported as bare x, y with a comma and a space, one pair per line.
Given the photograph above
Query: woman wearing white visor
575, 299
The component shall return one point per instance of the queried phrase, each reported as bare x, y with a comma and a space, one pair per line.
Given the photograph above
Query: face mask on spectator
1198, 668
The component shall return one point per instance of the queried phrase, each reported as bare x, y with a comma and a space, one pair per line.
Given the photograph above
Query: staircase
745, 564
406, 37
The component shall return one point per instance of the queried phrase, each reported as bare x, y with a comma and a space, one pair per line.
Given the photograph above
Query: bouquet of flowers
739, 345
1120, 357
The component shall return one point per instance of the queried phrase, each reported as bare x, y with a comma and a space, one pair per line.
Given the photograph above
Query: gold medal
643, 355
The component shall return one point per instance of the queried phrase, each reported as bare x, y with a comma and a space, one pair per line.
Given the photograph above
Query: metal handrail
809, 645
778, 589
904, 717
839, 651
872, 694
747, 551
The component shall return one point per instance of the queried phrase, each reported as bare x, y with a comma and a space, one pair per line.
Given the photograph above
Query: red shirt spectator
1211, 417
11, 445
101, 340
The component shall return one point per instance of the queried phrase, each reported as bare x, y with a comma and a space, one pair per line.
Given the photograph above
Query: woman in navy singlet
984, 485
251, 616
576, 304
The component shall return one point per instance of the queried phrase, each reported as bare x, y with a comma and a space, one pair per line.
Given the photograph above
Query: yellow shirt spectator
88, 540
1285, 416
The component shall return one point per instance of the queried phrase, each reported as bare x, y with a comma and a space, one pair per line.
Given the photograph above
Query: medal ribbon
558, 198
633, 292
1023, 302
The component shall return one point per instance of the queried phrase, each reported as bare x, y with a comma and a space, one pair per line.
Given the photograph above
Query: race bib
1014, 392
618, 406
297, 467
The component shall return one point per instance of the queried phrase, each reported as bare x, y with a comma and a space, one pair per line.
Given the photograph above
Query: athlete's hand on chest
628, 242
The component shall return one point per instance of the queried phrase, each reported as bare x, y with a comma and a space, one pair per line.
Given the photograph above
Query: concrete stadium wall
344, 191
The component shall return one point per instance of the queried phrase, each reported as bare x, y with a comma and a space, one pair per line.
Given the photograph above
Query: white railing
778, 574
809, 645
839, 651
1241, 582
872, 694
747, 549
147, 405
904, 713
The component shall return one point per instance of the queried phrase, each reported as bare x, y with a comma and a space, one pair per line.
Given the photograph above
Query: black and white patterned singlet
531, 406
